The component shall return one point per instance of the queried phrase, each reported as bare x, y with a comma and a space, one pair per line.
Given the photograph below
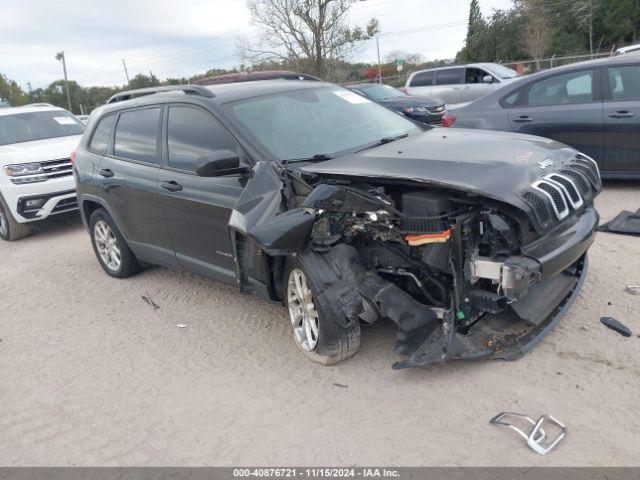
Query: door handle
622, 114
523, 119
106, 173
171, 186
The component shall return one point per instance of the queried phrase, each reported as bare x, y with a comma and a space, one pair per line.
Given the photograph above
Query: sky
175, 39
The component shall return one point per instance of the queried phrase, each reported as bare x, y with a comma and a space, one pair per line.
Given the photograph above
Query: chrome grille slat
573, 186
570, 190
580, 180
555, 194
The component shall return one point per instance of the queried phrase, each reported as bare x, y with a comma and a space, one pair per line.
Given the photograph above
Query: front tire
316, 334
10, 229
110, 247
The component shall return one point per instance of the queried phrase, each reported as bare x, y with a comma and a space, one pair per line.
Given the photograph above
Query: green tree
144, 81
11, 93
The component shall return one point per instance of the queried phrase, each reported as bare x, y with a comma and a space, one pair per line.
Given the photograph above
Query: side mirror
487, 79
218, 163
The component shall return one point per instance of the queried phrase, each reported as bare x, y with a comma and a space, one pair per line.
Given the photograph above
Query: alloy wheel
107, 245
302, 310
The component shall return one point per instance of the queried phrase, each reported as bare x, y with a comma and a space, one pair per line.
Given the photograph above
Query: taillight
448, 120
72, 157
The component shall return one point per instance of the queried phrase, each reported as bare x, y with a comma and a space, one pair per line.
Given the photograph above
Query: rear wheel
110, 247
316, 334
10, 229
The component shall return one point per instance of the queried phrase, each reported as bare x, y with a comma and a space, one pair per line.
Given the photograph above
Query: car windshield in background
502, 71
382, 92
320, 122
27, 127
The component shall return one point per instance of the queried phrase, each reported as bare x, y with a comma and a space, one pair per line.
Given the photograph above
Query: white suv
36, 173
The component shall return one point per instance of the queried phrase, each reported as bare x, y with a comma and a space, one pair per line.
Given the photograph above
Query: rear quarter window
137, 135
101, 135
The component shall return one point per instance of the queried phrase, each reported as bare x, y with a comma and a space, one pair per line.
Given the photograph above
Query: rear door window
574, 87
137, 135
422, 79
192, 133
449, 76
624, 83
102, 134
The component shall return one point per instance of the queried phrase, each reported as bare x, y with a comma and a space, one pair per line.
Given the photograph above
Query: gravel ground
92, 375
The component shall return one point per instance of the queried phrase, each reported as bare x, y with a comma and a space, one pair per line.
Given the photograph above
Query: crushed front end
461, 277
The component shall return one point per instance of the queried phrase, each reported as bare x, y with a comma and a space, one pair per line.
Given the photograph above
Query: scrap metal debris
626, 223
633, 289
616, 326
537, 435
147, 299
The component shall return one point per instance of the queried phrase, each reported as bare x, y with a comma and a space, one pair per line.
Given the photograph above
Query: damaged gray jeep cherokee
472, 243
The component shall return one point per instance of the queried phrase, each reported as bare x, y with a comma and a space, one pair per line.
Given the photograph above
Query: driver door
197, 209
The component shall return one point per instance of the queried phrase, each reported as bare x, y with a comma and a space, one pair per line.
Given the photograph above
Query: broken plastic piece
182, 325
633, 289
537, 435
151, 303
616, 326
535, 444
500, 420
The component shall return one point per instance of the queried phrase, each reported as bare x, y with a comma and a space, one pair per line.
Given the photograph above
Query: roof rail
187, 89
38, 104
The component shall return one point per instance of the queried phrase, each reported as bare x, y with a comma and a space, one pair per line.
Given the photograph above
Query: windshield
317, 122
26, 127
381, 92
502, 71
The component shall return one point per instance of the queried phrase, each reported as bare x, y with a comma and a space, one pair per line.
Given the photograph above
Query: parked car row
593, 106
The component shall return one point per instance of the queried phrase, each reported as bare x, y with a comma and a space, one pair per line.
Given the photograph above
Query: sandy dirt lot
92, 375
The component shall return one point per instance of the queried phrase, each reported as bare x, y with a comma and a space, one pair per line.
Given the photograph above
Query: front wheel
316, 334
10, 229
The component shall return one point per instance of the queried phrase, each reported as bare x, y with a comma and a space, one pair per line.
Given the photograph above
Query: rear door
474, 85
130, 173
448, 85
622, 118
197, 209
421, 83
566, 107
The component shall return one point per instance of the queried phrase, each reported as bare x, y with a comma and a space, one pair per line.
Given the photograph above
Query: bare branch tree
311, 34
535, 38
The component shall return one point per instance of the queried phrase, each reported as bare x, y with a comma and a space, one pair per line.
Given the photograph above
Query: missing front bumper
507, 335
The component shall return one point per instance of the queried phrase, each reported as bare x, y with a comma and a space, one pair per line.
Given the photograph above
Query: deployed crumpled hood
492, 164
38, 150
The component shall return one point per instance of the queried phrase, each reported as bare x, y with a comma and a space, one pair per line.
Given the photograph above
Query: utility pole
30, 92
379, 65
125, 72
60, 56
591, 27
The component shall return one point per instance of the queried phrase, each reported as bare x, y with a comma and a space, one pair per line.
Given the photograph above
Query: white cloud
183, 38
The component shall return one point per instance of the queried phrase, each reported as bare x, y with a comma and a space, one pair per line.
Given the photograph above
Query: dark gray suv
311, 195
593, 106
